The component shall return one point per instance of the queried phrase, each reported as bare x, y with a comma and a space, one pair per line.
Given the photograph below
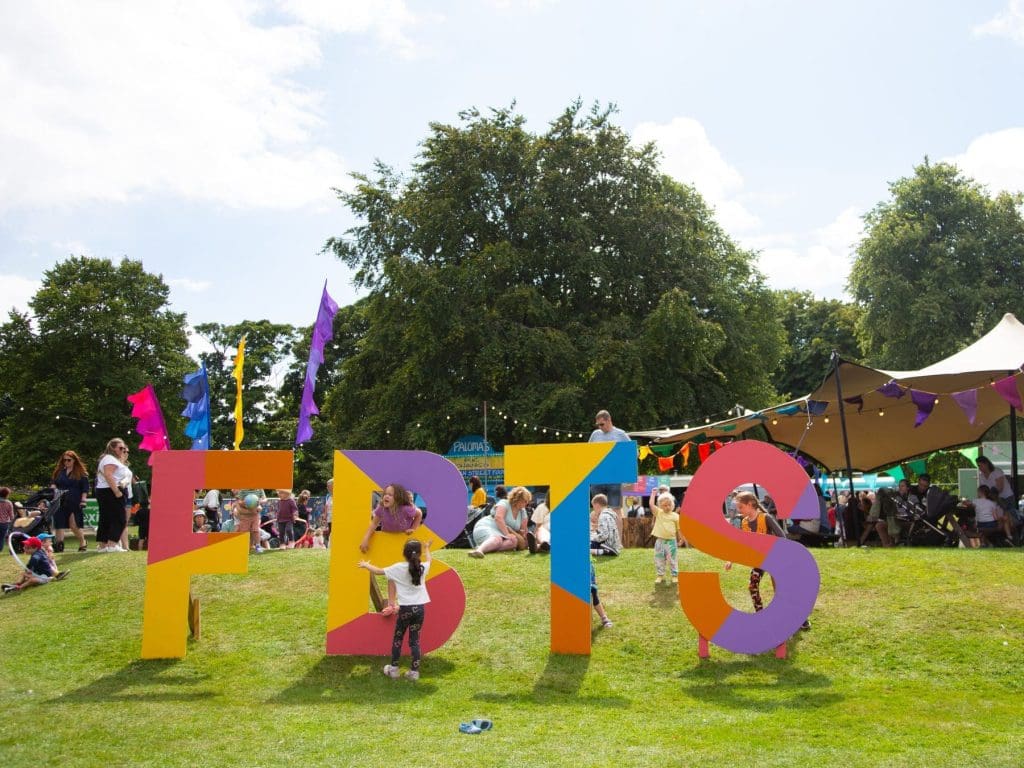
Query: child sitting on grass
40, 570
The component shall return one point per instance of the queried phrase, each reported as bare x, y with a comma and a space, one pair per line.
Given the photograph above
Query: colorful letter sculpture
569, 471
793, 568
176, 553
351, 628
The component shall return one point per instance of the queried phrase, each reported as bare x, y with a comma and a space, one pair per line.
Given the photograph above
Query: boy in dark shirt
39, 569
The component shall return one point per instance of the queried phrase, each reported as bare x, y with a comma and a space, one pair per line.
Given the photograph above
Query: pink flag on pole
146, 408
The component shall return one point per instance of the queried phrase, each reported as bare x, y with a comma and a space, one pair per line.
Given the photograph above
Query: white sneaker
391, 671
476, 553
412, 674
258, 550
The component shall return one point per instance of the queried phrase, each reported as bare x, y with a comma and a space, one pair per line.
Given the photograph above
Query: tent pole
846, 445
1013, 453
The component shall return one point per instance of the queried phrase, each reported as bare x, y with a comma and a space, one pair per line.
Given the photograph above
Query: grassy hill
913, 660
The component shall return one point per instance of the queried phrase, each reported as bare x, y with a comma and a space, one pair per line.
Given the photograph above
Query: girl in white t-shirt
410, 579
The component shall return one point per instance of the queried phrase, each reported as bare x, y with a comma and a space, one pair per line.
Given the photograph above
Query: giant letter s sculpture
790, 564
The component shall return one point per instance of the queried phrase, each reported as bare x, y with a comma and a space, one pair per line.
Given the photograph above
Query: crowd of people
513, 520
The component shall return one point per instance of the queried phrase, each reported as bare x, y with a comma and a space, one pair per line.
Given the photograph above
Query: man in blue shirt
607, 432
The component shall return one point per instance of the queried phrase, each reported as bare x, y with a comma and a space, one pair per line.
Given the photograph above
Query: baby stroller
465, 539
271, 539
37, 516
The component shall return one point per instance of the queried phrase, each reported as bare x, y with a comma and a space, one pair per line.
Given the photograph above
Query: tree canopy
551, 275
941, 263
814, 328
267, 346
98, 332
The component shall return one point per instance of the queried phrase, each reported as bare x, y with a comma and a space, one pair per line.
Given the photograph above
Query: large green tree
267, 347
814, 328
97, 332
941, 263
551, 275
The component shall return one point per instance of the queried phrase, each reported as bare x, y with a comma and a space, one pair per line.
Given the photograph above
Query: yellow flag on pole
236, 374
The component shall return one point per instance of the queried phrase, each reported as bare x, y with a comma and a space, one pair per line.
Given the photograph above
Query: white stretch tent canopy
882, 432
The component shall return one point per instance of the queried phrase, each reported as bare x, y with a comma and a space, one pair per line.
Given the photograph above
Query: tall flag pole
196, 394
323, 331
237, 376
146, 408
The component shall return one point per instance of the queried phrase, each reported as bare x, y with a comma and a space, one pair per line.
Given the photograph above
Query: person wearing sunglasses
71, 477
113, 479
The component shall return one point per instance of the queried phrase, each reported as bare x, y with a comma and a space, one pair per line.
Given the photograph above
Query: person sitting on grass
504, 529
988, 515
39, 569
604, 529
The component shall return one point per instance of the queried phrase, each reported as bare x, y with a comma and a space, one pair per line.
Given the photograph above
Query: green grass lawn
913, 659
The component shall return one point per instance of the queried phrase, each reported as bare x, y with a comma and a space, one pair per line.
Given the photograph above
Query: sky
206, 139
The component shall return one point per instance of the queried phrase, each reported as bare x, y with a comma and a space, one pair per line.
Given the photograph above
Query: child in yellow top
666, 537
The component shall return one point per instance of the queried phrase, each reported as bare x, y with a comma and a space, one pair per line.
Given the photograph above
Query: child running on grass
755, 519
667, 538
410, 579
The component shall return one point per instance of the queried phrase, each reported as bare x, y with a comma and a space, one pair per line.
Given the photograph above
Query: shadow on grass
350, 678
559, 683
143, 680
759, 682
664, 596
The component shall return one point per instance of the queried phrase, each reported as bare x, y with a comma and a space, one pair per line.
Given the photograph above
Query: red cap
33, 541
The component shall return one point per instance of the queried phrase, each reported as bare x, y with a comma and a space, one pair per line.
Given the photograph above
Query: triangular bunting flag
1007, 389
924, 401
968, 402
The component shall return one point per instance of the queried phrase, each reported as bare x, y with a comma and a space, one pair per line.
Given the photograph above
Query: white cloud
818, 261
116, 101
187, 284
689, 156
995, 160
387, 20
16, 294
1009, 23
197, 344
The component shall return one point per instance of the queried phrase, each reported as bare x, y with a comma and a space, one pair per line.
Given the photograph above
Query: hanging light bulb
826, 419
881, 412
775, 421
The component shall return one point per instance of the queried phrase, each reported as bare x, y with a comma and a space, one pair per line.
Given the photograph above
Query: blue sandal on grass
468, 728
483, 725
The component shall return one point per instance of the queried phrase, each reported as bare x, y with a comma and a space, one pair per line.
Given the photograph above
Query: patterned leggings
665, 549
755, 588
409, 617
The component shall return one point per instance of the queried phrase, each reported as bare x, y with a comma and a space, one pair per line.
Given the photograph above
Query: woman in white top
994, 478
113, 478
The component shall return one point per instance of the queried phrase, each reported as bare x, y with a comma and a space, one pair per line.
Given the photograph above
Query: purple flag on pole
892, 389
924, 401
1007, 389
323, 331
968, 402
